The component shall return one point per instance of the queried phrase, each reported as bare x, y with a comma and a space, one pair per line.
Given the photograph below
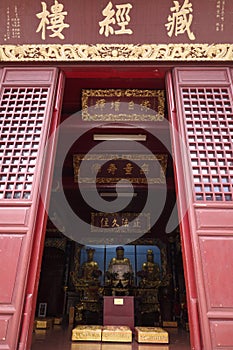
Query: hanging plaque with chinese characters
87, 30
122, 105
136, 168
120, 222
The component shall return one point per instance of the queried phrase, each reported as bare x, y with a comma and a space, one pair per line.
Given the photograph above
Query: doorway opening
77, 273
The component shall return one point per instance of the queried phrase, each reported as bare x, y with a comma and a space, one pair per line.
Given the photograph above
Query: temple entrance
199, 101
141, 259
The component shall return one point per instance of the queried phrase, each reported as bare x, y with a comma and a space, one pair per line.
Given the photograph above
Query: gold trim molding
117, 52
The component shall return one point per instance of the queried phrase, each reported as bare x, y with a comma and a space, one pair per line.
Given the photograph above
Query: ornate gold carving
59, 243
114, 97
117, 52
88, 333
151, 335
117, 334
75, 274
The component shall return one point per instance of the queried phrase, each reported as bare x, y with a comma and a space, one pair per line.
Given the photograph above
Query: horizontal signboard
61, 30
119, 105
112, 168
120, 222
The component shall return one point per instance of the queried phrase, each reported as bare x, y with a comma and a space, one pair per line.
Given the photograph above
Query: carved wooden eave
116, 52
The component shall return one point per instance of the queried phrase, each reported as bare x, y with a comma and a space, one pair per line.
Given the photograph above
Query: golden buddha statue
150, 273
90, 271
87, 286
120, 272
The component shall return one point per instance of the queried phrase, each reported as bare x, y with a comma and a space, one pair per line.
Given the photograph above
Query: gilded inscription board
133, 30
121, 222
119, 105
111, 168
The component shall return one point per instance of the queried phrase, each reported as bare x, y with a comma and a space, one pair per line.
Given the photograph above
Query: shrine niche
135, 270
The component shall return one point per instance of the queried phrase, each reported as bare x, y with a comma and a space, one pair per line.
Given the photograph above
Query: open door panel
26, 118
202, 130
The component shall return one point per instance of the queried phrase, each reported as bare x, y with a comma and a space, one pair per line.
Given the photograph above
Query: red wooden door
204, 180
26, 111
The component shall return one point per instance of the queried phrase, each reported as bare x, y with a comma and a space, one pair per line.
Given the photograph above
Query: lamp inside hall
119, 137
117, 194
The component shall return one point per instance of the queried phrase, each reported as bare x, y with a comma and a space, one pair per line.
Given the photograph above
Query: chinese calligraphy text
120, 17
53, 21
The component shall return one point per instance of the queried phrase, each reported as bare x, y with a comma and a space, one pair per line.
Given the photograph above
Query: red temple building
116, 171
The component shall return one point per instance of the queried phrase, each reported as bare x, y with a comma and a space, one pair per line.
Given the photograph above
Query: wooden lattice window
22, 112
209, 129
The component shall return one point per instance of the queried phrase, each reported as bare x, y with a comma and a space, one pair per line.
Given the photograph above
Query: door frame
95, 71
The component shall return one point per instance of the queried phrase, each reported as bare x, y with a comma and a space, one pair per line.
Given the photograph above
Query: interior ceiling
110, 78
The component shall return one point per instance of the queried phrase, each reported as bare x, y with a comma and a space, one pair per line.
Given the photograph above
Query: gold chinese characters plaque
122, 222
122, 105
139, 169
89, 30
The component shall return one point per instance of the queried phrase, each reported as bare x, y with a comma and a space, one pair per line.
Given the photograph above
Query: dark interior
60, 254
